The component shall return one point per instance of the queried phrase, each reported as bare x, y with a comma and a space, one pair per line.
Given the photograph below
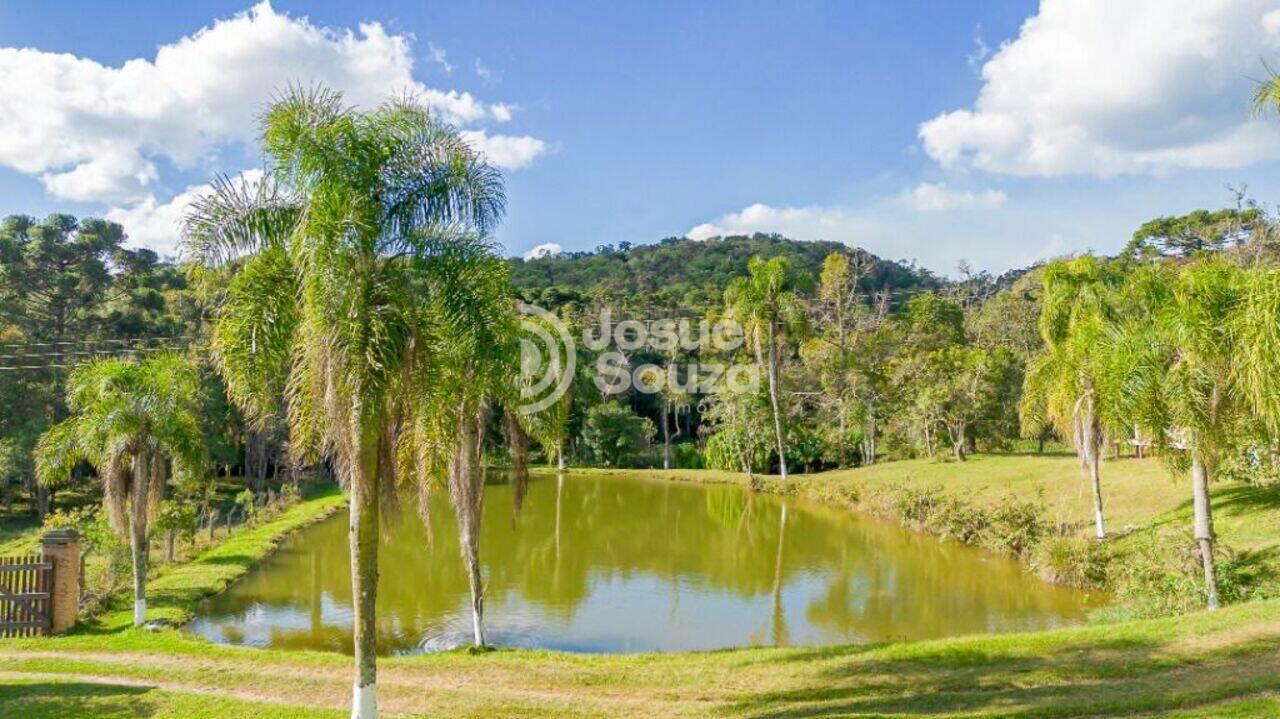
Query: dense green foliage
678, 275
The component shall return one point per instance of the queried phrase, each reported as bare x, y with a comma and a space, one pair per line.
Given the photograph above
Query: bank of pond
590, 563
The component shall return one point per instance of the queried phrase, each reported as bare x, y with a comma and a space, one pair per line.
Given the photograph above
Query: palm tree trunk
467, 490
1204, 525
138, 535
1090, 442
773, 399
1095, 477
363, 539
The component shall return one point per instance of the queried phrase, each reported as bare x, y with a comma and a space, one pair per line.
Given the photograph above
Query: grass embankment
172, 595
1137, 494
1205, 664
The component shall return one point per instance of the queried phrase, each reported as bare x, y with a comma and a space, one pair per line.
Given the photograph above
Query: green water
612, 565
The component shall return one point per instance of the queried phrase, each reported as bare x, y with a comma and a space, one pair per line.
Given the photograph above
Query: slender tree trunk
844, 437
1090, 441
1095, 478
138, 535
666, 438
467, 491
869, 441
170, 545
1204, 525
363, 538
560, 456
773, 399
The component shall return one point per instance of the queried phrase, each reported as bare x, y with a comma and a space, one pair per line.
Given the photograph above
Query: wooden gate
25, 584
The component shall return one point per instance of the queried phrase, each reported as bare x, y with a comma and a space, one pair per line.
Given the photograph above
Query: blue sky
998, 133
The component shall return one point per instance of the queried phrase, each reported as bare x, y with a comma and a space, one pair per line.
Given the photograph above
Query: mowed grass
1207, 664
1221, 664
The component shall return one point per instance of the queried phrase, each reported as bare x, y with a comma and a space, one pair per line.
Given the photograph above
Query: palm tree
467, 313
1204, 367
1061, 385
354, 209
132, 421
768, 310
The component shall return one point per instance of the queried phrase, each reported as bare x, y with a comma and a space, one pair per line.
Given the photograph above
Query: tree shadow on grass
59, 700
1237, 501
1097, 677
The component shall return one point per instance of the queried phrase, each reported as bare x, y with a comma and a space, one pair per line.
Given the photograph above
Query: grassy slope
1136, 492
173, 595
1221, 664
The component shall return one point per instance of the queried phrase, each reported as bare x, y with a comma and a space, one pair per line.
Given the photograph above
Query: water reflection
608, 565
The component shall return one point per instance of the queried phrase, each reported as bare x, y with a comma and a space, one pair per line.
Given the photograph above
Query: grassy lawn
1200, 665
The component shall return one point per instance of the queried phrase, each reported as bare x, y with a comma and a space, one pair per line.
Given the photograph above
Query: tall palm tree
768, 310
1061, 385
132, 421
354, 208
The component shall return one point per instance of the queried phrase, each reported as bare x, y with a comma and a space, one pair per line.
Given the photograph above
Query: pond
598, 564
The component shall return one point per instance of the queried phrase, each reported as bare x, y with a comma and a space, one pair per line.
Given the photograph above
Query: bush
686, 456
1073, 561
956, 519
615, 435
1012, 526
247, 504
917, 505
104, 556
1016, 526
724, 451
1161, 575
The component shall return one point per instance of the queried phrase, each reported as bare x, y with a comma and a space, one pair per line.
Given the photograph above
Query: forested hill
690, 274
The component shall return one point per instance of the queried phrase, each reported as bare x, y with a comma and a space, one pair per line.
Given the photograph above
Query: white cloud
483, 71
156, 225
802, 223
893, 228
931, 197
1103, 87
502, 112
439, 57
506, 151
981, 50
92, 132
544, 250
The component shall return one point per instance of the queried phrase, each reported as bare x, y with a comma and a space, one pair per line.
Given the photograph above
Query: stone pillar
62, 549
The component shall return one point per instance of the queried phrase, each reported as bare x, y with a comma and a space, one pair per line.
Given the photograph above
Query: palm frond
238, 216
